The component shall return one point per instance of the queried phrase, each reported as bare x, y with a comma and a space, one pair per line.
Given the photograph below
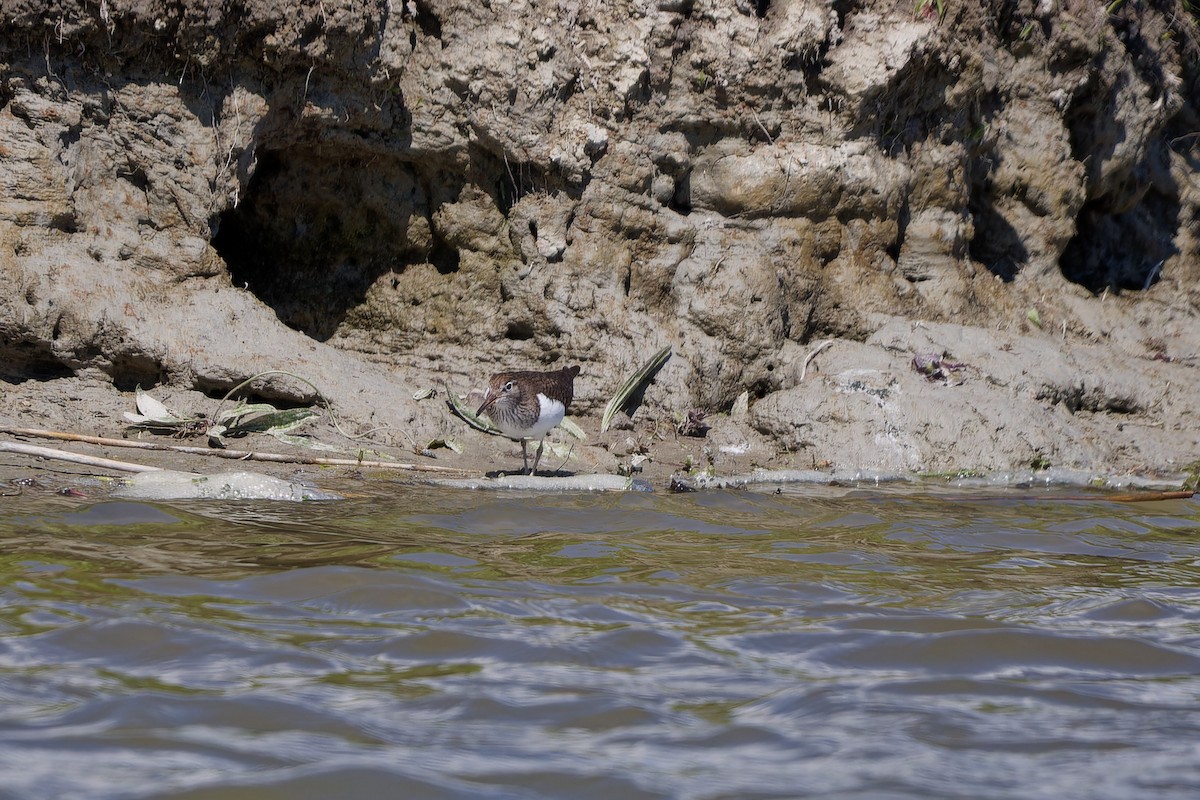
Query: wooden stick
812, 355
1142, 497
63, 455
1146, 496
238, 455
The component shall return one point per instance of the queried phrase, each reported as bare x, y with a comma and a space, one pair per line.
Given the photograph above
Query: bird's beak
488, 402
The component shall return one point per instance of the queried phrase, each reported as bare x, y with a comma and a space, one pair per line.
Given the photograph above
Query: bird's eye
508, 387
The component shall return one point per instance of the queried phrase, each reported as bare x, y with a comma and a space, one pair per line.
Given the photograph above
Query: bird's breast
551, 412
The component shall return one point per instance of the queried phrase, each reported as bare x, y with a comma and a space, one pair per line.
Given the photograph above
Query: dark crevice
65, 222
1096, 400
511, 179
428, 22
27, 360
902, 220
136, 176
131, 370
444, 257
761, 387
1125, 250
995, 242
567, 90
519, 331
681, 200
280, 395
840, 8
910, 108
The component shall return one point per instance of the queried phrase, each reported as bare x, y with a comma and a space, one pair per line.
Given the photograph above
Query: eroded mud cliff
382, 195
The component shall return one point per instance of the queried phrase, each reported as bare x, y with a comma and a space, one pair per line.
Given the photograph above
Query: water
433, 643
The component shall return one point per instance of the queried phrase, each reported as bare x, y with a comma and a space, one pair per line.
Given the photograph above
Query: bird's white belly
552, 413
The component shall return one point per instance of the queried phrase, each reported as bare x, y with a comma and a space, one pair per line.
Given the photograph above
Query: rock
234, 485
372, 195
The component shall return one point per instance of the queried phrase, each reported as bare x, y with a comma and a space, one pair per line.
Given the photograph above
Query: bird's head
502, 392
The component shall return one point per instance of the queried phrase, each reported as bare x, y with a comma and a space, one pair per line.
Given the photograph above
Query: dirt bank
991, 217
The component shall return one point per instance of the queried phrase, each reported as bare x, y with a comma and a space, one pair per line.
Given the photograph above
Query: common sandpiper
527, 405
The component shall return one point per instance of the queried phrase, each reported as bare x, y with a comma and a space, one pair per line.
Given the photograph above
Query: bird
527, 404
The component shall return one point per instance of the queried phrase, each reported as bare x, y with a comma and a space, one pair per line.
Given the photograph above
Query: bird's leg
525, 459
537, 457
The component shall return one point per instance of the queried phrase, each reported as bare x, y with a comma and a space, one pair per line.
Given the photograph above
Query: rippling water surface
431, 643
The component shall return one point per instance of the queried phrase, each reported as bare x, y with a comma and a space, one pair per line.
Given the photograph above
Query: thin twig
766, 133
239, 455
812, 355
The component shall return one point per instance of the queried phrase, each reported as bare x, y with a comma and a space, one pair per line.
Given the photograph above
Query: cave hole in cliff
519, 331
445, 258
30, 359
1122, 251
318, 227
284, 394
131, 370
428, 22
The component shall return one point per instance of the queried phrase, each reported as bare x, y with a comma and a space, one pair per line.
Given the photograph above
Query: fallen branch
1146, 496
63, 455
237, 455
1143, 497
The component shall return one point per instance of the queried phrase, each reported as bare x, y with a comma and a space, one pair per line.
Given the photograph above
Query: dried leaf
153, 409
449, 444
467, 415
214, 435
572, 428
274, 422
635, 383
303, 441
237, 412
